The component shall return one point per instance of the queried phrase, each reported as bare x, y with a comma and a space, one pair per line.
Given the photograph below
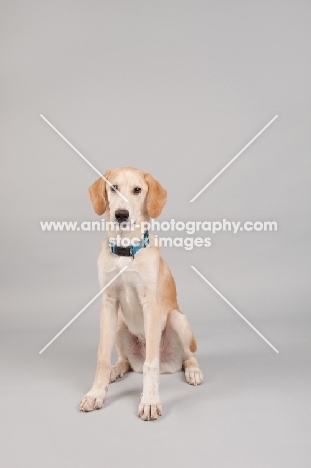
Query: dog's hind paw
119, 369
193, 375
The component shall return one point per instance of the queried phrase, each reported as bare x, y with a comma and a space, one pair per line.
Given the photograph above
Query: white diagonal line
235, 310
82, 310
81, 155
233, 159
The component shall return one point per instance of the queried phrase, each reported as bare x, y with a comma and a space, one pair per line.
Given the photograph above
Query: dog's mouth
124, 224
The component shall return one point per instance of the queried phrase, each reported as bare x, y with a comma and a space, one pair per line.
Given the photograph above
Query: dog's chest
131, 308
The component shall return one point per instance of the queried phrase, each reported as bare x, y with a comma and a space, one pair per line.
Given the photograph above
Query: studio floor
251, 410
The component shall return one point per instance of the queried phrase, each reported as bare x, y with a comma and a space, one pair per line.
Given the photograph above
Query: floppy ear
97, 193
156, 196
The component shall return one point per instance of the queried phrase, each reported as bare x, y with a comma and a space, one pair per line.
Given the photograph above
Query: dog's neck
132, 232
128, 250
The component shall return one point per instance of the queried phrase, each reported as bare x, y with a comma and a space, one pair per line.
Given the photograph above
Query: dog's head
146, 197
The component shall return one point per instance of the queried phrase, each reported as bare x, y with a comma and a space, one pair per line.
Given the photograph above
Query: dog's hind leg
180, 324
121, 367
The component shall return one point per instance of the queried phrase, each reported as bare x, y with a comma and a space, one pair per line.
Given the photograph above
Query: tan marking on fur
193, 345
156, 197
167, 288
97, 193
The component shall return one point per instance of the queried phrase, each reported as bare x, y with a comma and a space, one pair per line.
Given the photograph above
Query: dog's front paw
93, 400
149, 410
193, 375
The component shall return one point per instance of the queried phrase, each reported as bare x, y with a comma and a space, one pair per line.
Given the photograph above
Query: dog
139, 311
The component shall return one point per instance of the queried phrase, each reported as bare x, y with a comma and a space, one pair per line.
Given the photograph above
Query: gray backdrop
174, 88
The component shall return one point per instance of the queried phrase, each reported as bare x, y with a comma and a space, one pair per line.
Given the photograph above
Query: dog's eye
113, 188
137, 190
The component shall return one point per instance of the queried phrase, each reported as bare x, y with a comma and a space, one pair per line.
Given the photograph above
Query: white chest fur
129, 288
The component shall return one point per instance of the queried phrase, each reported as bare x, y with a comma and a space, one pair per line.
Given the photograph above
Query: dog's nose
121, 215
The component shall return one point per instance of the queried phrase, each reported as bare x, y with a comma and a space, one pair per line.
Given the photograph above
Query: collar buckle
123, 251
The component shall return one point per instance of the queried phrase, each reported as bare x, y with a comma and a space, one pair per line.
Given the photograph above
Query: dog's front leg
94, 399
150, 407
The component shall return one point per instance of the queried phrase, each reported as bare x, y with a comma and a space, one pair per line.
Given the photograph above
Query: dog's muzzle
122, 216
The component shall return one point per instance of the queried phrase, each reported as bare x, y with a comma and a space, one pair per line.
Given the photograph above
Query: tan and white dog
139, 311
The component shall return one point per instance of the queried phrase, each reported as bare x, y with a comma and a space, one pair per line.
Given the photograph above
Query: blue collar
130, 251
